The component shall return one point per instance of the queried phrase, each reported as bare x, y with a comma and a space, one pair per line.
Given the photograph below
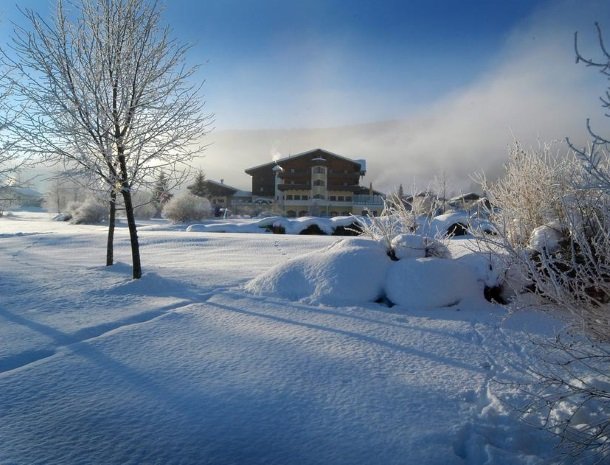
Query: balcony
368, 200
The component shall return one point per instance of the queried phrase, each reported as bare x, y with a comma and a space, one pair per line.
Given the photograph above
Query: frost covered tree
11, 159
110, 95
63, 189
161, 192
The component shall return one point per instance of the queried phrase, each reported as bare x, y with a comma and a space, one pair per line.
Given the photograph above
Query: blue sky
321, 63
417, 88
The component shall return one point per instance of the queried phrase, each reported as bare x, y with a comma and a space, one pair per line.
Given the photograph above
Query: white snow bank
279, 223
359, 270
441, 225
426, 283
349, 271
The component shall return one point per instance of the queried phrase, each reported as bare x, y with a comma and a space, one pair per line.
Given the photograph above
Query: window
318, 182
292, 170
341, 198
318, 196
348, 198
332, 198
289, 197
319, 170
304, 197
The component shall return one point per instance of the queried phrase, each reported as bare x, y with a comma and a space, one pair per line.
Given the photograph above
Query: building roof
271, 164
221, 185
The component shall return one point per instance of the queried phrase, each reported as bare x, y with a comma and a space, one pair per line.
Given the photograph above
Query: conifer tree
199, 187
161, 194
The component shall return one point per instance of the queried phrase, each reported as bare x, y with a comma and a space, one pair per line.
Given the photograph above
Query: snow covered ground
205, 360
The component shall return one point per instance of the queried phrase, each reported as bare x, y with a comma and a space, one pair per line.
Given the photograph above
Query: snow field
187, 367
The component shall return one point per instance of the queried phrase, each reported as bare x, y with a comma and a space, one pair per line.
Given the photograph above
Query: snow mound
349, 271
359, 270
546, 238
409, 246
279, 224
426, 283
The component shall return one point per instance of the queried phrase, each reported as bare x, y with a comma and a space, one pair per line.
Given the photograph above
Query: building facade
315, 183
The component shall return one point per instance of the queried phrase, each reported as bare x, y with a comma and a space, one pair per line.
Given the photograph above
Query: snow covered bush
416, 283
531, 192
186, 207
91, 211
571, 395
397, 224
144, 207
359, 270
554, 223
554, 232
351, 271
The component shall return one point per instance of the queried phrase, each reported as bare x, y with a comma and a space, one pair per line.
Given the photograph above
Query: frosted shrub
144, 207
395, 229
394, 220
145, 211
563, 208
186, 207
555, 232
531, 192
91, 211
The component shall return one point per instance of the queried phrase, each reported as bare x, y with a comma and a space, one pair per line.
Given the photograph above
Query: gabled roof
221, 185
303, 154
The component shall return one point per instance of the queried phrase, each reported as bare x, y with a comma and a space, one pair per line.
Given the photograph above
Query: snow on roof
221, 184
302, 154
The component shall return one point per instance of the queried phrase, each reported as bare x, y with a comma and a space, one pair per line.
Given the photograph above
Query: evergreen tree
161, 192
199, 187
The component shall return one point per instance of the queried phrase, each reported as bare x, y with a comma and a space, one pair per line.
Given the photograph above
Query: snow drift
359, 271
349, 271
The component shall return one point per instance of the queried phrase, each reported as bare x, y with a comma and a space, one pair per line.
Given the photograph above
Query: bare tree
595, 157
11, 160
111, 96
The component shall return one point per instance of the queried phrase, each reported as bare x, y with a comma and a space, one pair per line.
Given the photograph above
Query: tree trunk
133, 234
111, 223
131, 219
